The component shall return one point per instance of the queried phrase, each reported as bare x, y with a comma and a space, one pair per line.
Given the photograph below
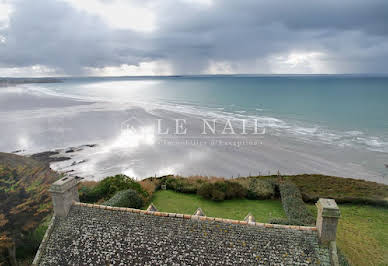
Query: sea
326, 124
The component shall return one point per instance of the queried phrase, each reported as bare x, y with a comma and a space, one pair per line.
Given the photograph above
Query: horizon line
199, 75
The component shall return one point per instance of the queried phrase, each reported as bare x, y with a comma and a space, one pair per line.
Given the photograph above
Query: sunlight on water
24, 142
133, 138
120, 91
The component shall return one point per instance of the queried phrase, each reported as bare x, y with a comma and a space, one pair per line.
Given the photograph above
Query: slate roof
96, 235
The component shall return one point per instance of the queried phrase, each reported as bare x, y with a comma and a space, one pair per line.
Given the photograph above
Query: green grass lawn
362, 234
262, 210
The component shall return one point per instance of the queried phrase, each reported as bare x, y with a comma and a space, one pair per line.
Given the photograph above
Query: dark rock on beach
78, 162
47, 157
91, 145
18, 151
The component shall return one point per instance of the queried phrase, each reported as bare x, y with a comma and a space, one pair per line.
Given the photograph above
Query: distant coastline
5, 82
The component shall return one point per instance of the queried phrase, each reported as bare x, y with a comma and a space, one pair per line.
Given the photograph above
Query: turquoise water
344, 110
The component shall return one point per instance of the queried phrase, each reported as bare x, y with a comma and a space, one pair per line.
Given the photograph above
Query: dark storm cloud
247, 30
352, 34
54, 34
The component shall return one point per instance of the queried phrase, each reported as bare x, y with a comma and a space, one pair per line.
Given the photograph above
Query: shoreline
77, 160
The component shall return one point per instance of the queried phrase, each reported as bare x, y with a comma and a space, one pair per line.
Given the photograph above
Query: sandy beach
52, 122
147, 154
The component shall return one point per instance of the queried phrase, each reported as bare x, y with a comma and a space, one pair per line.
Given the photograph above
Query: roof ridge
199, 212
195, 217
249, 218
152, 208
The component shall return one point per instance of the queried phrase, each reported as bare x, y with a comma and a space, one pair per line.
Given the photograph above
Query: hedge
293, 205
222, 190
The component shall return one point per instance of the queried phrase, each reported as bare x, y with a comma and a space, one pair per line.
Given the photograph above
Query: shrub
150, 185
293, 205
106, 188
221, 190
180, 184
234, 190
260, 189
85, 194
31, 241
206, 191
126, 198
217, 195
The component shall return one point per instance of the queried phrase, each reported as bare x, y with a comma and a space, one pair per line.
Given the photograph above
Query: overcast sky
164, 37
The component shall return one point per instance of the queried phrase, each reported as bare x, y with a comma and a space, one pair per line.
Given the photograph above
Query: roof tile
98, 236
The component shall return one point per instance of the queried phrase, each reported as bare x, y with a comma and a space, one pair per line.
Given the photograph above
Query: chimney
327, 220
63, 193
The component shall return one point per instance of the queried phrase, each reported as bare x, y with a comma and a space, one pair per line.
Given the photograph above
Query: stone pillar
327, 220
63, 193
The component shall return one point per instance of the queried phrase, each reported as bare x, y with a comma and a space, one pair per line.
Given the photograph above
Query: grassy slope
316, 186
262, 210
24, 199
